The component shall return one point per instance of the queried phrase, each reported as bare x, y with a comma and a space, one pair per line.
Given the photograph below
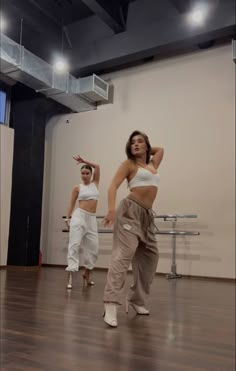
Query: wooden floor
46, 327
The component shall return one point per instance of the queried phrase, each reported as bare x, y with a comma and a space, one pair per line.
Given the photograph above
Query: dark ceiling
101, 35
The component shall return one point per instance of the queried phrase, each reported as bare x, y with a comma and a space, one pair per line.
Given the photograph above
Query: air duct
77, 94
234, 50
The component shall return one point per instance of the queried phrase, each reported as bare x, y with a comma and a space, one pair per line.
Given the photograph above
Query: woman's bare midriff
88, 205
145, 195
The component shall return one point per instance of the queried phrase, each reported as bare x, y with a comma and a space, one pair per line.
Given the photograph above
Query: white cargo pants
83, 231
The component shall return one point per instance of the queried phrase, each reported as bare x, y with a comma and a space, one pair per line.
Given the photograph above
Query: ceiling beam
181, 5
111, 12
45, 12
167, 37
35, 17
57, 23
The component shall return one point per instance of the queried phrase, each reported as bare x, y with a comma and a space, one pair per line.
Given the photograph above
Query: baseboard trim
208, 278
60, 266
31, 268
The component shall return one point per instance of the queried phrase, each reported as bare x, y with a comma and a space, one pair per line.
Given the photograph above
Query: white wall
6, 160
185, 104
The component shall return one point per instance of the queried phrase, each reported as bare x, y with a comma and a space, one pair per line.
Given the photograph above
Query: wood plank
46, 327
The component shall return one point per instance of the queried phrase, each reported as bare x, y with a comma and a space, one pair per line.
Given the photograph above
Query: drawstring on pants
147, 217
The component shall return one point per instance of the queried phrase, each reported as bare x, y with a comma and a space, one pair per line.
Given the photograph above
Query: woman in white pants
82, 222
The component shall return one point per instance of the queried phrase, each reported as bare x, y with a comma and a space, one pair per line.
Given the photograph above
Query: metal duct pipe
77, 94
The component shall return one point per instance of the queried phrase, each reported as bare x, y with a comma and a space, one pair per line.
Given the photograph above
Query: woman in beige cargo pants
134, 228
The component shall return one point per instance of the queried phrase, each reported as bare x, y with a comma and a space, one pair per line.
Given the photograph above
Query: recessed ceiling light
61, 65
197, 16
3, 23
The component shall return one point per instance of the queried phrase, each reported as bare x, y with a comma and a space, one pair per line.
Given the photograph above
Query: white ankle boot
110, 314
138, 309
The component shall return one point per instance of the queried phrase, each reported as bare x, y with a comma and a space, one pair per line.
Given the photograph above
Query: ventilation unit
93, 88
25, 67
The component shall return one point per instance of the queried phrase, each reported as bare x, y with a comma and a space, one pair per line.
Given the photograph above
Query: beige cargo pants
134, 242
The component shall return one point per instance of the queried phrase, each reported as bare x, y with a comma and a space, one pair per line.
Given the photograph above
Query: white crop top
88, 192
144, 178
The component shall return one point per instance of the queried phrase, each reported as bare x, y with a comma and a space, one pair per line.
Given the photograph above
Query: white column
6, 162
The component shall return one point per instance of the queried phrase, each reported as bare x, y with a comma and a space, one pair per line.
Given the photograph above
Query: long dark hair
128, 146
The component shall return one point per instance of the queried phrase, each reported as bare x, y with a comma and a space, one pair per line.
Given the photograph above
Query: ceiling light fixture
198, 15
60, 65
3, 23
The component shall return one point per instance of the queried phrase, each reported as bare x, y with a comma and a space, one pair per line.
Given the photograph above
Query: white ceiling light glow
3, 23
198, 15
60, 65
